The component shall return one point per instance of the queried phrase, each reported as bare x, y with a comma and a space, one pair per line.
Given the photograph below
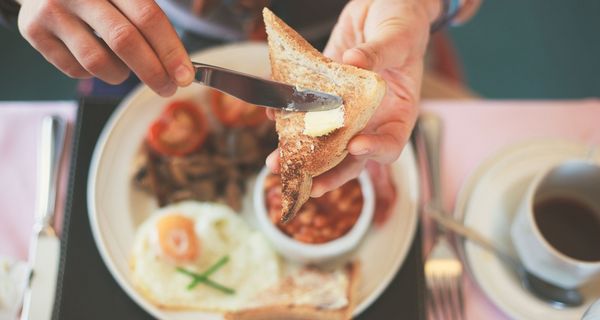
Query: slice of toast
295, 61
307, 294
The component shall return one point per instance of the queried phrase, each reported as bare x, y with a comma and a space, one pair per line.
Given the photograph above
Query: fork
443, 269
443, 273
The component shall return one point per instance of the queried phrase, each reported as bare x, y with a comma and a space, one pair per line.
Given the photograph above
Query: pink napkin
20, 124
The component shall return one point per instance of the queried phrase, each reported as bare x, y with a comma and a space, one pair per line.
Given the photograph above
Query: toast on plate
311, 143
306, 294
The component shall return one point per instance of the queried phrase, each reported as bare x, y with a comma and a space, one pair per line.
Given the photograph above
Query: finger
58, 54
272, 161
53, 50
335, 46
345, 33
347, 170
383, 148
375, 55
270, 114
127, 43
389, 37
93, 55
160, 34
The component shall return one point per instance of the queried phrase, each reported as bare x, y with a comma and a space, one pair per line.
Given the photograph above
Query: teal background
532, 49
540, 49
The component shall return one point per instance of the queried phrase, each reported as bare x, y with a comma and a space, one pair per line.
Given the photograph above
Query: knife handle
52, 142
202, 73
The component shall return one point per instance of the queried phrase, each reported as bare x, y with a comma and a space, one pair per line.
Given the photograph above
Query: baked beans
321, 219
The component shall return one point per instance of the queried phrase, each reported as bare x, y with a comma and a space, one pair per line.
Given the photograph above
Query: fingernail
315, 193
269, 160
271, 164
168, 90
361, 152
358, 57
183, 75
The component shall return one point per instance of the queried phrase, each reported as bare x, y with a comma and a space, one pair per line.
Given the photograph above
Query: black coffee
570, 226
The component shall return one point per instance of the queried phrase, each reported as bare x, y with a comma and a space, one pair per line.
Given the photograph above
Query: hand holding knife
44, 250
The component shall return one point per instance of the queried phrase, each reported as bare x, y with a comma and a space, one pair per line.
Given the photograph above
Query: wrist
447, 15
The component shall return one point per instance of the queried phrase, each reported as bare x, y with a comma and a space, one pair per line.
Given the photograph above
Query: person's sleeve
9, 9
455, 12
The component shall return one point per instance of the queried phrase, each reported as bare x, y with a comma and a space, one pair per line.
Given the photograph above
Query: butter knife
262, 92
44, 250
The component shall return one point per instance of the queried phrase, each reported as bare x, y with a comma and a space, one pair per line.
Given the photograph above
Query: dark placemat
86, 289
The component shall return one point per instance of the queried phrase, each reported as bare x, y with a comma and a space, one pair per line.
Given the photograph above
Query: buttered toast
311, 145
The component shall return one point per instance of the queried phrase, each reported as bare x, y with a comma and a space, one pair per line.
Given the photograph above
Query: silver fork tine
442, 297
453, 285
445, 292
447, 298
461, 305
447, 289
459, 297
434, 300
437, 297
432, 305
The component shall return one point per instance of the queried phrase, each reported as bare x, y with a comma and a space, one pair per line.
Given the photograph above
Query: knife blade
44, 250
262, 92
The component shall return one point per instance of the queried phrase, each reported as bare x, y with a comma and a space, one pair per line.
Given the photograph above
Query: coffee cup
556, 231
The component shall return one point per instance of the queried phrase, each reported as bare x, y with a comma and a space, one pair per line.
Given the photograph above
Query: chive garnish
203, 277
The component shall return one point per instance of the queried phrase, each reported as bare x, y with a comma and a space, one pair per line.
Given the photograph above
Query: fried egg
194, 236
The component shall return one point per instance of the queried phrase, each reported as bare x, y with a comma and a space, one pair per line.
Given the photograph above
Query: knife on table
262, 92
44, 250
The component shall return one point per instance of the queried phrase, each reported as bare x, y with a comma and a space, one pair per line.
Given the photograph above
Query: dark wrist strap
450, 9
9, 10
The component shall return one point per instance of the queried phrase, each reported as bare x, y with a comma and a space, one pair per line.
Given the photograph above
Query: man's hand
390, 38
106, 39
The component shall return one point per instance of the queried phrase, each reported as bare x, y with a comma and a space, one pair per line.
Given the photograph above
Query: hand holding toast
390, 38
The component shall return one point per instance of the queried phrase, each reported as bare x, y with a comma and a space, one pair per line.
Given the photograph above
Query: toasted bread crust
295, 61
303, 312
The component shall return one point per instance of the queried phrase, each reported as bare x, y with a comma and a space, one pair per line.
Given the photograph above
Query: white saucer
487, 203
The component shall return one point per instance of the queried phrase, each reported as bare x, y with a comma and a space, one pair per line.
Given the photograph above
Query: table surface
474, 131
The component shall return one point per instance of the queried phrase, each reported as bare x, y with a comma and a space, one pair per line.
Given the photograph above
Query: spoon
428, 135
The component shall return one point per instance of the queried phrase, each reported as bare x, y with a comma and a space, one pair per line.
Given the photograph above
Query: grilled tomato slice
180, 129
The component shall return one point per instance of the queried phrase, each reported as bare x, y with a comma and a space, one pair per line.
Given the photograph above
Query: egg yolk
177, 238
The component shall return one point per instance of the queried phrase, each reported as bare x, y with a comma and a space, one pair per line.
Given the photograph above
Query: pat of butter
320, 123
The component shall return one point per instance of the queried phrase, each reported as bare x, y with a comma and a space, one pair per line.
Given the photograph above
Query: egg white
253, 265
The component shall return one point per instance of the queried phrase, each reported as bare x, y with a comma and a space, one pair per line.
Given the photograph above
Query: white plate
116, 208
488, 202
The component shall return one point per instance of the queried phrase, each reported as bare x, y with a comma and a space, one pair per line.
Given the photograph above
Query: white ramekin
314, 253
